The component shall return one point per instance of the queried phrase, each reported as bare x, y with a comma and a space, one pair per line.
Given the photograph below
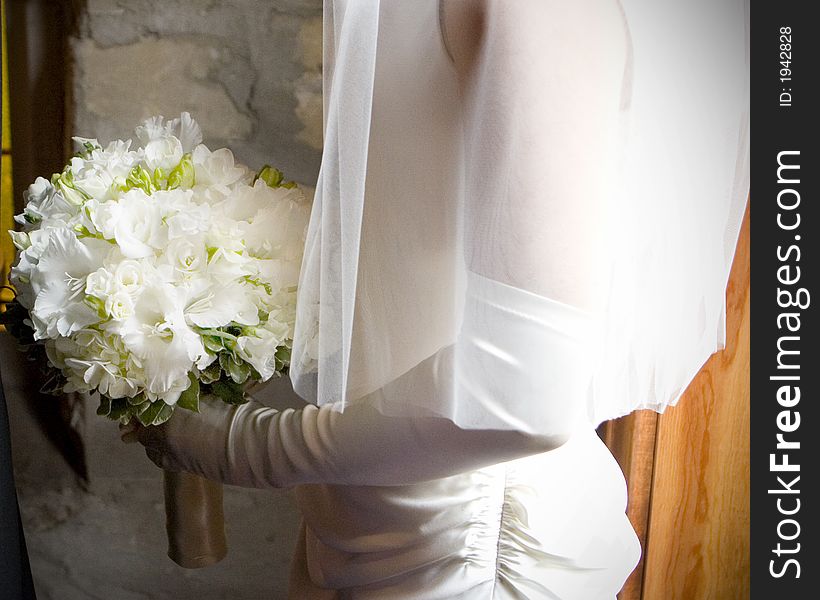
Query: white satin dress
547, 526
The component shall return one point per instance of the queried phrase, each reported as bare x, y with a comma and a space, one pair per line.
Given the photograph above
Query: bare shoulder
463, 24
469, 26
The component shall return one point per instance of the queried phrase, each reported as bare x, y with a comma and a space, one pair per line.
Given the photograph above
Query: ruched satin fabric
549, 526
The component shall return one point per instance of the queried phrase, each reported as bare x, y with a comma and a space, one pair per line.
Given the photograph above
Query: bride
523, 225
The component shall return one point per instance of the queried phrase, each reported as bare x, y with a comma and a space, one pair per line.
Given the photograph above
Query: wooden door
688, 471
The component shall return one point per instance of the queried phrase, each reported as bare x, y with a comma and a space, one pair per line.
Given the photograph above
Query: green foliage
229, 391
274, 178
212, 373
236, 369
88, 148
116, 409
189, 399
154, 413
139, 177
183, 175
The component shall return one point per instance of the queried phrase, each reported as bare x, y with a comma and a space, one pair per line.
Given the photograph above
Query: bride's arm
256, 446
541, 84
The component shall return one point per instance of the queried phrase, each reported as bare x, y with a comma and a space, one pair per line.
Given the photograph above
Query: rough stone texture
109, 75
250, 73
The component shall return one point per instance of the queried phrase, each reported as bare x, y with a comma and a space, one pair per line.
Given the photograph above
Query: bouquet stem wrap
195, 522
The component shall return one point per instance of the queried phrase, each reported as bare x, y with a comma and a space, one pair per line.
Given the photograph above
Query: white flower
245, 202
216, 168
26, 263
135, 222
94, 360
93, 178
230, 265
188, 131
181, 214
38, 191
258, 347
278, 229
84, 141
119, 305
184, 128
163, 153
159, 337
20, 239
45, 206
186, 256
219, 304
99, 284
99, 173
281, 274
259, 351
131, 274
59, 283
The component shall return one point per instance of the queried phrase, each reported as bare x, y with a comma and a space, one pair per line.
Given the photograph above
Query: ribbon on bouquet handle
194, 520
194, 515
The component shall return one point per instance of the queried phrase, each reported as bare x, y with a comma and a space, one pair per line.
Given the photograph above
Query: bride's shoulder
470, 27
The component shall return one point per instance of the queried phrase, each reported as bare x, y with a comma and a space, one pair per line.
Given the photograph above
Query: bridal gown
548, 526
545, 526
446, 242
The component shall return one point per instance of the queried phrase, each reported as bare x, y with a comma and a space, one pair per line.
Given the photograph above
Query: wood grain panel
698, 535
632, 441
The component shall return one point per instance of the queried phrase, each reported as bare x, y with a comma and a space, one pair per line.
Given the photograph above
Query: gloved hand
193, 442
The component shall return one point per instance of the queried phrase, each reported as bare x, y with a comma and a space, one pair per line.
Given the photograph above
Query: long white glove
256, 446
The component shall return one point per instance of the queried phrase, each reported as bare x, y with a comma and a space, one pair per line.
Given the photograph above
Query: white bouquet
155, 273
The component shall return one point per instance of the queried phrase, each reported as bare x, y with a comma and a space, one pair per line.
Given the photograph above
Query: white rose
99, 283
119, 305
92, 178
130, 274
186, 256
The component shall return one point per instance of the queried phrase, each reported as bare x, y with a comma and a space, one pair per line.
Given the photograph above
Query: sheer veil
395, 307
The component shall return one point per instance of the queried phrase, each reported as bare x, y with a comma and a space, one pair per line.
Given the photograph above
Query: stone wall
248, 70
250, 73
